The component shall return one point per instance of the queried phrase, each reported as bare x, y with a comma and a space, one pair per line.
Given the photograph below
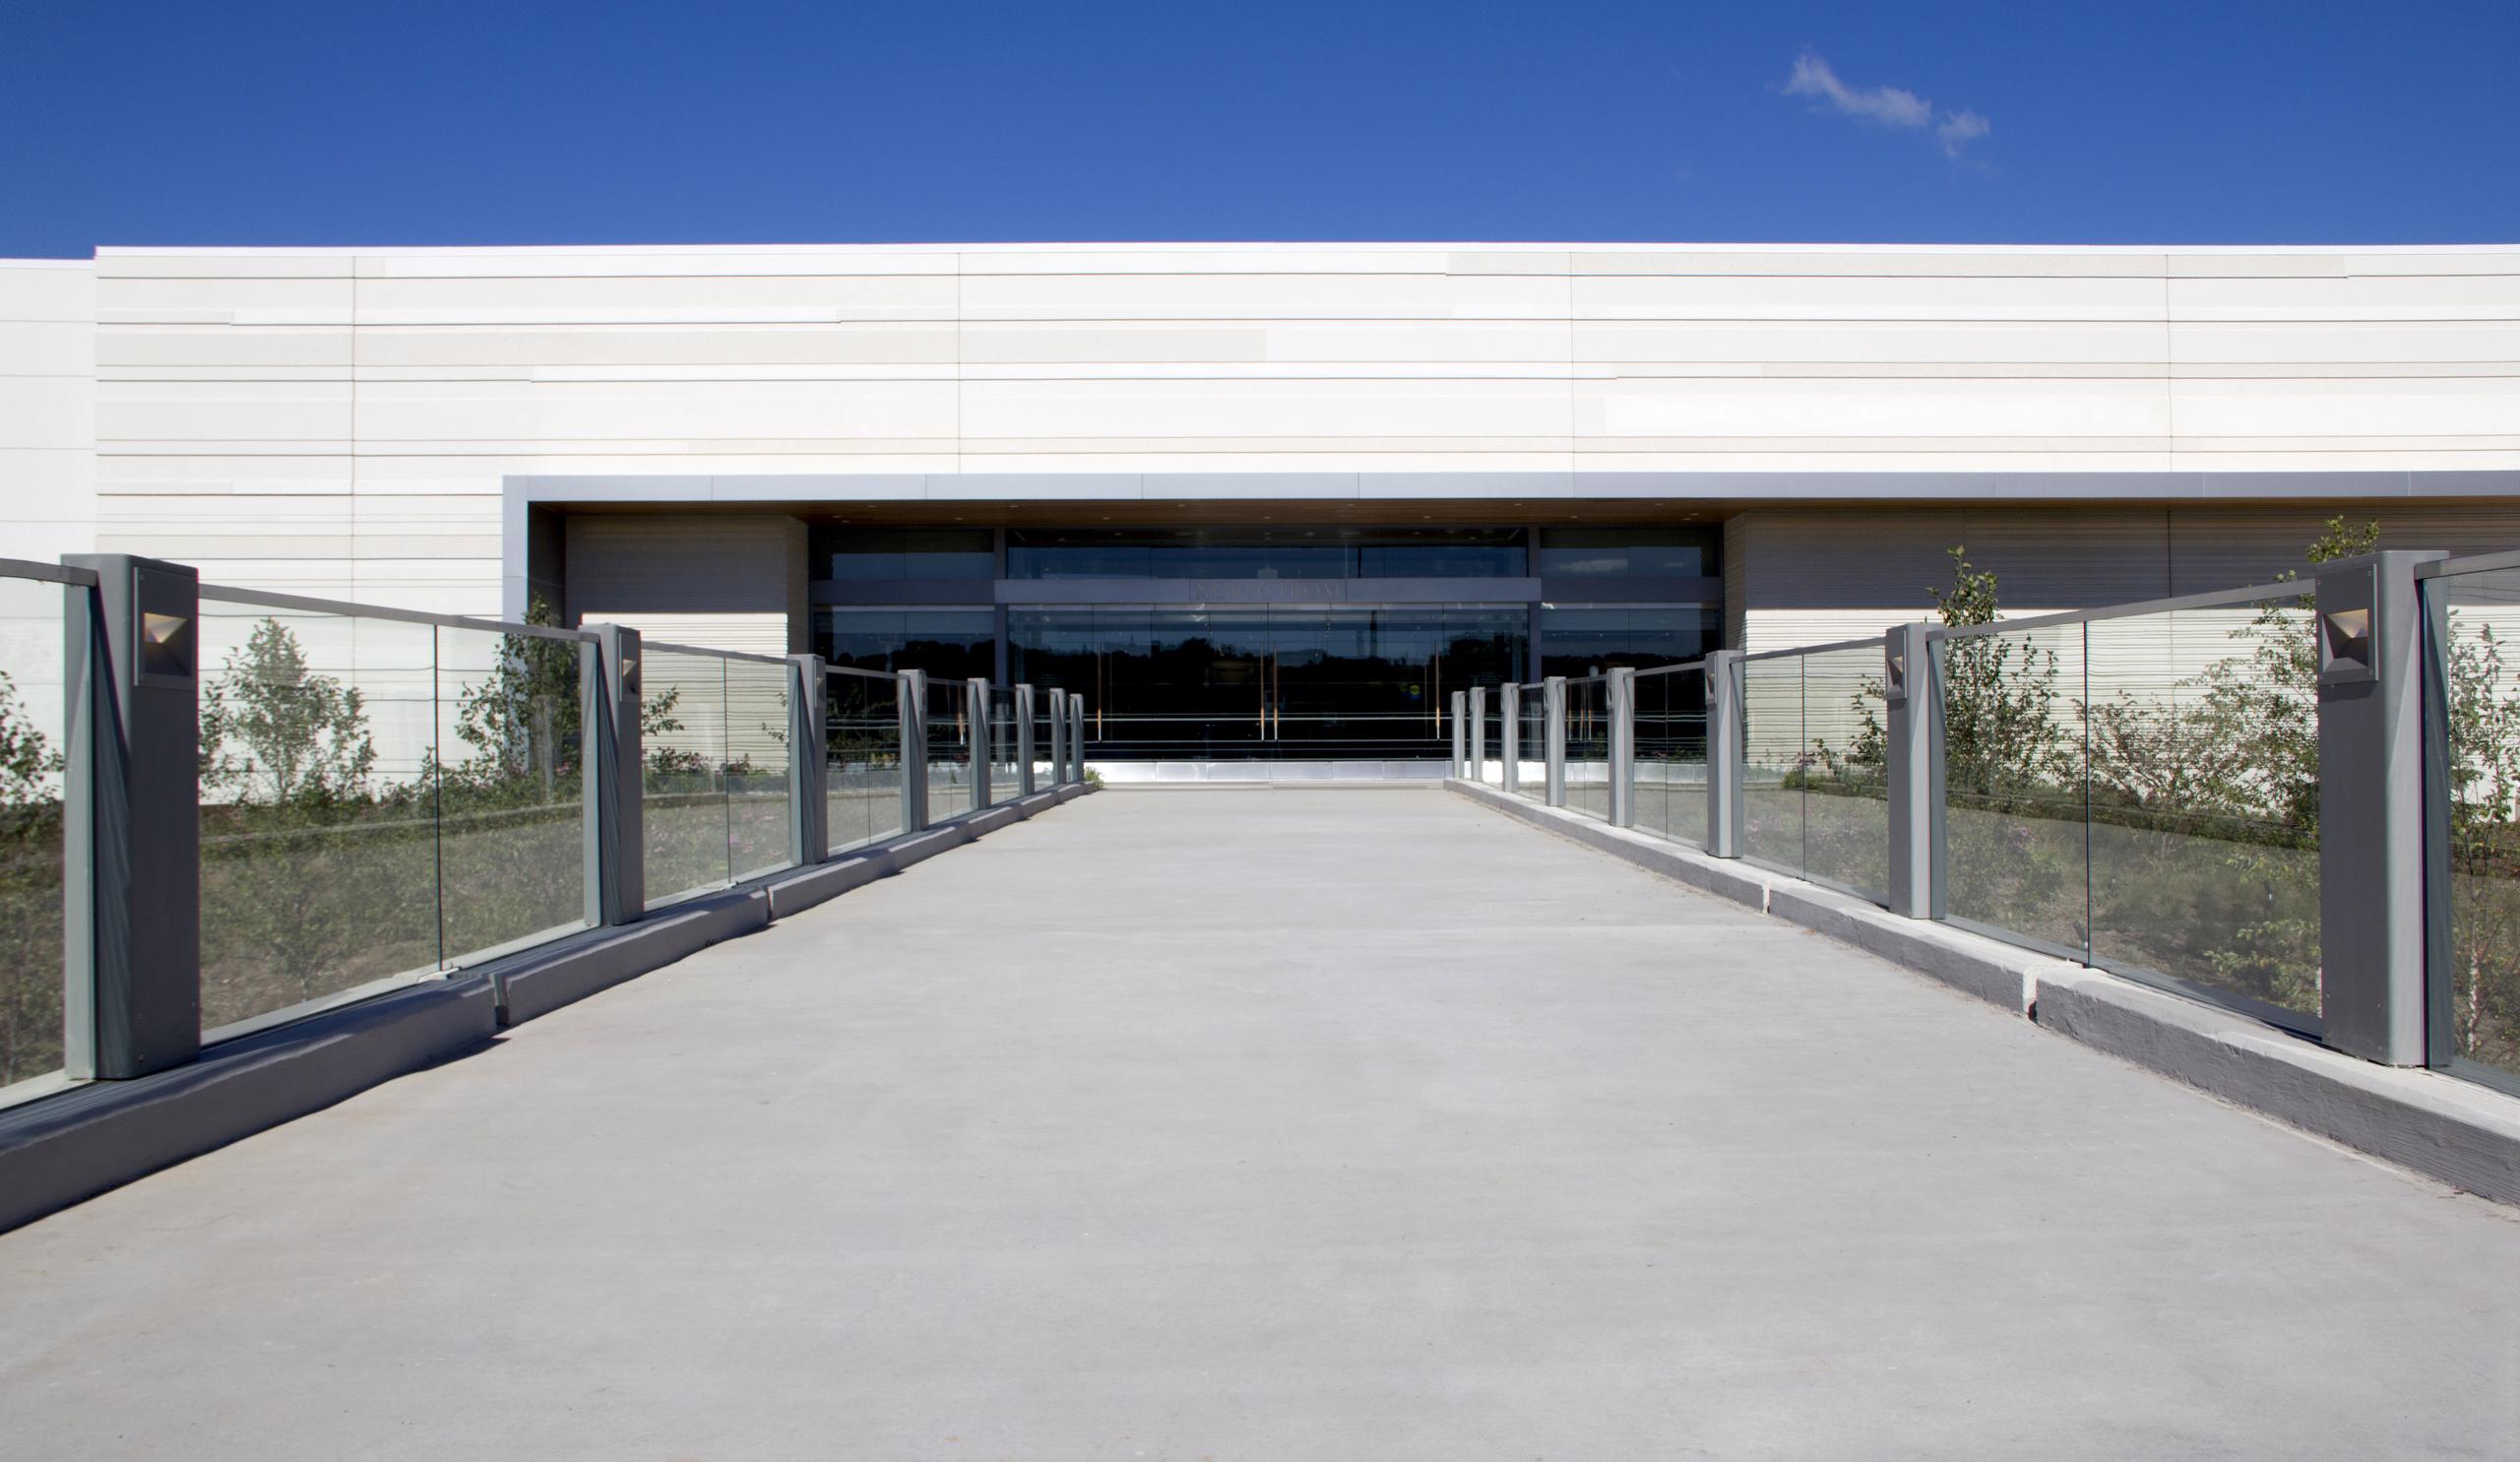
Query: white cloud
1889, 107
1960, 128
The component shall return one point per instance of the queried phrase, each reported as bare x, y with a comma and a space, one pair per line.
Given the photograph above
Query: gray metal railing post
1622, 698
1911, 702
1724, 759
1076, 737
131, 819
1553, 716
1509, 726
808, 760
913, 712
1460, 705
1025, 707
2369, 635
979, 742
1478, 710
616, 853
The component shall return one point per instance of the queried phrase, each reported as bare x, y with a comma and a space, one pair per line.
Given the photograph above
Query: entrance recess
1292, 682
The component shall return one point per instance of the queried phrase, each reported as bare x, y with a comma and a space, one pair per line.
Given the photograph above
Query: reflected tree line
2178, 832
319, 870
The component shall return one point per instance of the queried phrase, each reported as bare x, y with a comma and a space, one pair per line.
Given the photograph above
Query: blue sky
448, 121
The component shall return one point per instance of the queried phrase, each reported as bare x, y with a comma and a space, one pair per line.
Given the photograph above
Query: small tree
276, 732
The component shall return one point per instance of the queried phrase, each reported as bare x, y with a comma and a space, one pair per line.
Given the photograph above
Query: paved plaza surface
1294, 1124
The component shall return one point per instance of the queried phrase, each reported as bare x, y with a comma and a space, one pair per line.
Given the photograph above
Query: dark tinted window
1582, 639
886, 553
948, 643
1631, 553
1265, 553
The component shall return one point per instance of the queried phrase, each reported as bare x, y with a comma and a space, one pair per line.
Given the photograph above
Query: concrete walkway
1270, 1125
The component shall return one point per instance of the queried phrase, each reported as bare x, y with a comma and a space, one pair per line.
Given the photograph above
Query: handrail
257, 598
49, 573
886, 676
2474, 563
649, 645
1873, 642
1684, 667
2217, 598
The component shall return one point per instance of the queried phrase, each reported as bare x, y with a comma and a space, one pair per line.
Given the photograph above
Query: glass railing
1587, 746
1815, 796
2476, 1002
761, 832
382, 797
512, 809
33, 738
1004, 785
1491, 751
1531, 751
862, 767
1671, 753
2139, 789
714, 803
1036, 710
950, 782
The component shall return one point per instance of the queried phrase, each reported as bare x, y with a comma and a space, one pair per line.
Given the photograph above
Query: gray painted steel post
1509, 725
1076, 736
914, 710
131, 819
617, 852
808, 760
1477, 733
1461, 733
979, 742
2369, 632
1724, 763
1027, 705
1553, 689
1622, 697
1911, 701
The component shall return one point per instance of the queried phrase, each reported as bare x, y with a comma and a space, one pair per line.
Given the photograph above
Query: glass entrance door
1280, 681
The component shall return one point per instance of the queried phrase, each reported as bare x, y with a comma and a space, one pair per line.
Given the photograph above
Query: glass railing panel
2478, 616
1002, 784
1846, 806
1775, 763
1491, 751
760, 819
2204, 803
684, 811
319, 857
33, 727
863, 772
2016, 785
1530, 753
512, 788
1671, 755
949, 750
1045, 776
1588, 747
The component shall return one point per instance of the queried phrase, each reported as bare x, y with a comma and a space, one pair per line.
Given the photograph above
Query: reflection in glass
1268, 682
319, 867
1588, 639
863, 768
684, 803
34, 722
2476, 616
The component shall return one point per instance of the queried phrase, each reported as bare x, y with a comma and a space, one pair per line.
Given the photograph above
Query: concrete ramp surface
1292, 1123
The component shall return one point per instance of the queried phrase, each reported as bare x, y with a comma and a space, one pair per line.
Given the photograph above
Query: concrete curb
2447, 1130
62, 1149
68, 1148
